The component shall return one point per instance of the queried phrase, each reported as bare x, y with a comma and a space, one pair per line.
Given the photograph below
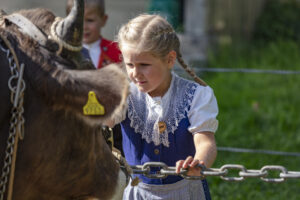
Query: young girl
169, 119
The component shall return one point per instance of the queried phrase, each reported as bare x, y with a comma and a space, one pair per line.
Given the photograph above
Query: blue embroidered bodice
145, 121
142, 141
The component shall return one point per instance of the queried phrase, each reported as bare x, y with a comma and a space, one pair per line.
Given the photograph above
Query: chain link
163, 172
222, 172
17, 87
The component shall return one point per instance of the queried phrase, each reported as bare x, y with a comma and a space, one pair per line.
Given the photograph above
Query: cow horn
70, 29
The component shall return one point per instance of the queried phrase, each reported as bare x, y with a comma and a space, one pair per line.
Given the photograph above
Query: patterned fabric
137, 151
174, 110
110, 53
196, 103
103, 52
185, 101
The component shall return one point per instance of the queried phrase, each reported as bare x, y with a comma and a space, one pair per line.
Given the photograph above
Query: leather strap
27, 27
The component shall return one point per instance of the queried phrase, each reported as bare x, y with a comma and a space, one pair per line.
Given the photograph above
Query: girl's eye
144, 64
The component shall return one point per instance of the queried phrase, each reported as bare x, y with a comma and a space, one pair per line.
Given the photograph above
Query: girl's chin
143, 89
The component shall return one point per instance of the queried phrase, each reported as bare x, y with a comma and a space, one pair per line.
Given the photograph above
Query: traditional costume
161, 129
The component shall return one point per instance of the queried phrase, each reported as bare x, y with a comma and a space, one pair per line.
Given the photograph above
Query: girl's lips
140, 82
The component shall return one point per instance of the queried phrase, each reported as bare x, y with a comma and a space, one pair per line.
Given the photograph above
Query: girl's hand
191, 164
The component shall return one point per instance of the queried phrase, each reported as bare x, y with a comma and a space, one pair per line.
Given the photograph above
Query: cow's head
62, 154
59, 50
60, 35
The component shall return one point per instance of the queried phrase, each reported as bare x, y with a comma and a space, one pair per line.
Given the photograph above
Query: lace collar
175, 104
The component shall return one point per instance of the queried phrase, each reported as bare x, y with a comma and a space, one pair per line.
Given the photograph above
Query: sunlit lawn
257, 111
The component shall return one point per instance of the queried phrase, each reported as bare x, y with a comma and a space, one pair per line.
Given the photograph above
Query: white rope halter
62, 44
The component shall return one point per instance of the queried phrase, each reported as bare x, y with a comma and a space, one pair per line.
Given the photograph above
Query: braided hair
152, 33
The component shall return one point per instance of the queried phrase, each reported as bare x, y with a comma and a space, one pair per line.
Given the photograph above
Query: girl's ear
171, 59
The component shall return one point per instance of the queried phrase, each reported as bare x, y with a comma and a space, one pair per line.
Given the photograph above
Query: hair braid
153, 33
189, 70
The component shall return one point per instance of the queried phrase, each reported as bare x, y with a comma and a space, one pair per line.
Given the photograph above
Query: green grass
257, 111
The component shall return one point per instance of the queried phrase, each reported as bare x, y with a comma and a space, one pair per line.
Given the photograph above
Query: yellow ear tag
93, 107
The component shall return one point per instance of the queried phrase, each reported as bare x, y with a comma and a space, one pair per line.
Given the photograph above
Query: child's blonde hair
98, 4
152, 33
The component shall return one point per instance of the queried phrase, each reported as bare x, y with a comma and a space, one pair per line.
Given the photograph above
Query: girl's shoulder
190, 83
199, 92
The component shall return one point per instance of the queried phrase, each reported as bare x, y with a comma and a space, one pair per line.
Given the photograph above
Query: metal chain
263, 173
17, 88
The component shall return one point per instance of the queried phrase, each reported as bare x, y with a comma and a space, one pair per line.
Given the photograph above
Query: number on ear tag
93, 107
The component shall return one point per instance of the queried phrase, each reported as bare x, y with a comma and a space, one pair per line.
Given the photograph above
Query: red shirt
110, 53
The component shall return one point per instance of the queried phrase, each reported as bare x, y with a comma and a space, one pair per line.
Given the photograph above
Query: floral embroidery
145, 121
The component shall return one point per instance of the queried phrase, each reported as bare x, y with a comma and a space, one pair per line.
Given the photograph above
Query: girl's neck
163, 89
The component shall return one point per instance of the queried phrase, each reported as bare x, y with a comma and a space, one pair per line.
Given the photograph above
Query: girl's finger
194, 163
179, 165
187, 161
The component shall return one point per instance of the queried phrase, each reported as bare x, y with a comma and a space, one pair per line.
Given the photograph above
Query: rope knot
62, 44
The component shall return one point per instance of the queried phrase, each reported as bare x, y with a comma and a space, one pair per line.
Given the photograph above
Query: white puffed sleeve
203, 111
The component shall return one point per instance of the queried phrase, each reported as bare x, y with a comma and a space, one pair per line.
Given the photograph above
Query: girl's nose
135, 71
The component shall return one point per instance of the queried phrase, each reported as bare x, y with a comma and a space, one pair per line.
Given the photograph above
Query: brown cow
63, 155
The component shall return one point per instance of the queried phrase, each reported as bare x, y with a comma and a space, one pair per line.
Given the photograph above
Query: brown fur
63, 155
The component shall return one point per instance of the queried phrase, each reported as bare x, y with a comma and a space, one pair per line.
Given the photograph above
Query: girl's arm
206, 149
206, 152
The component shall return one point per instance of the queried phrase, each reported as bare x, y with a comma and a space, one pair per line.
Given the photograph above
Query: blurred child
169, 119
101, 51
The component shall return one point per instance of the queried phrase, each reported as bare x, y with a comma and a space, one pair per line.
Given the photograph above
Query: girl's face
150, 74
92, 25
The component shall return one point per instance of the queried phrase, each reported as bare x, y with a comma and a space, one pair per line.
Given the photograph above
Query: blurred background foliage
259, 111
279, 21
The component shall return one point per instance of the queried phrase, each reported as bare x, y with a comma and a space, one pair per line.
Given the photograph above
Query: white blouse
94, 51
203, 108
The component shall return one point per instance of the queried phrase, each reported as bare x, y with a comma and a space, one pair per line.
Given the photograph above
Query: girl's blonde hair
152, 33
